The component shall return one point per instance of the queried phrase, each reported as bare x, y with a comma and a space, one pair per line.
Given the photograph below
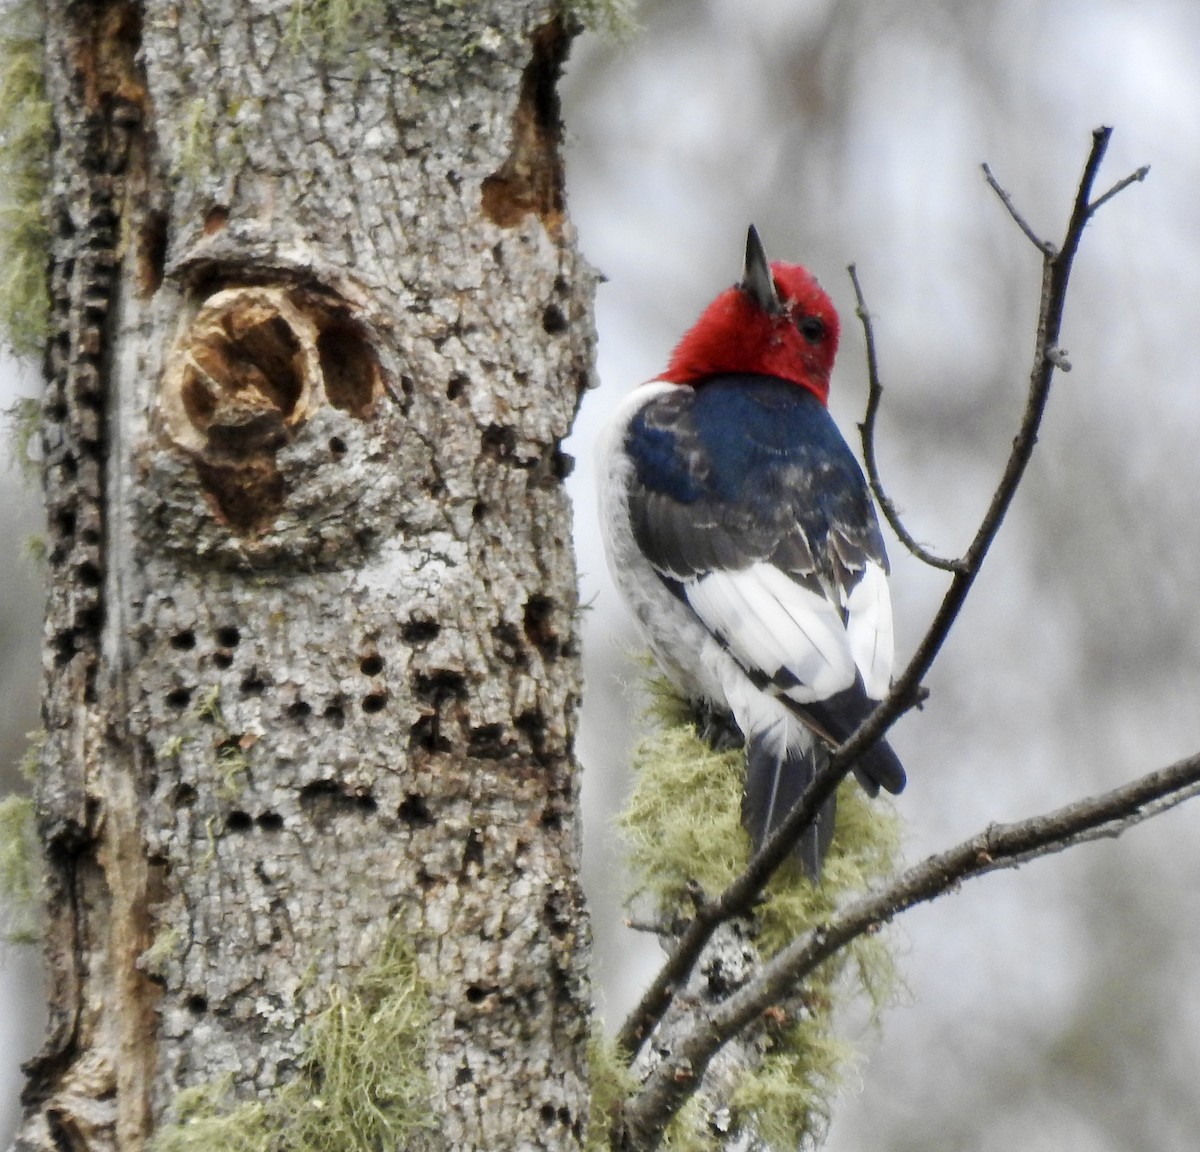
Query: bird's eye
812, 328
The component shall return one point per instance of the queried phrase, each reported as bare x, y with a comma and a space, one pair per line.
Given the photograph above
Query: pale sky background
1053, 1008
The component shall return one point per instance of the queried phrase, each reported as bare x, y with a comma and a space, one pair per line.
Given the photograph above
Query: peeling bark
311, 660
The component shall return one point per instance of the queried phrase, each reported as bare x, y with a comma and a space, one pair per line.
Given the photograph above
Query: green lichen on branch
24, 419
363, 1083
20, 857
611, 1082
682, 827
25, 123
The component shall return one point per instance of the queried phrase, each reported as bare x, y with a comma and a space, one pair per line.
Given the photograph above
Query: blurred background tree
1051, 1007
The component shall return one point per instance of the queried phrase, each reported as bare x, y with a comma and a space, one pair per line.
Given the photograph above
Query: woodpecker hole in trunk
252, 368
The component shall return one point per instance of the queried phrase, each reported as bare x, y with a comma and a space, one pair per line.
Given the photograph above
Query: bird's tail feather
776, 778
835, 720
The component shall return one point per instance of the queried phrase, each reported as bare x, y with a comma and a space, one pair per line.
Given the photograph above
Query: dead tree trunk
319, 326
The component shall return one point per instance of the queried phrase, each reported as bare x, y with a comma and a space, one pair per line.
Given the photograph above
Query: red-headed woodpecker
741, 534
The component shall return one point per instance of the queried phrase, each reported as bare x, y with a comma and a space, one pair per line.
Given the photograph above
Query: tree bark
311, 673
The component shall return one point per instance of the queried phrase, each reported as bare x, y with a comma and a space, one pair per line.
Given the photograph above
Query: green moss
24, 163
683, 828
362, 1086
20, 872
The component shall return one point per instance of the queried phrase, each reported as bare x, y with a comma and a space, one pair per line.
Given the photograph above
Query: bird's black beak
757, 278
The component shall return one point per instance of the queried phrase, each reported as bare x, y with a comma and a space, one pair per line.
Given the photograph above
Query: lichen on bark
773, 1087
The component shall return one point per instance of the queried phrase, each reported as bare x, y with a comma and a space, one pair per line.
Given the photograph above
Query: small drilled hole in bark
270, 821
539, 626
556, 917
298, 710
228, 636
415, 811
374, 702
440, 684
489, 742
478, 511
547, 1114
178, 697
371, 664
353, 379
426, 734
196, 1005
473, 851
183, 796
457, 387
252, 685
463, 1075
222, 658
215, 219
418, 631
325, 798
510, 647
313, 792
476, 994
499, 442
337, 447
554, 322
238, 822
335, 714
89, 575
184, 641
64, 522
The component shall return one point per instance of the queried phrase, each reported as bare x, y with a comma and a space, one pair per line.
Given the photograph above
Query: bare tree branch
998, 846
739, 898
867, 433
1043, 246
1135, 177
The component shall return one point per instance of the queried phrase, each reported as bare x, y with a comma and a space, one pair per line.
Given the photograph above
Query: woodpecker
741, 534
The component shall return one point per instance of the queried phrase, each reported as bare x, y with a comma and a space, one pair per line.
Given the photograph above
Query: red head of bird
777, 322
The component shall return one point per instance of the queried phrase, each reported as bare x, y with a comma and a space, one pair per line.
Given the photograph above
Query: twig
867, 433
999, 846
1043, 246
1120, 186
739, 898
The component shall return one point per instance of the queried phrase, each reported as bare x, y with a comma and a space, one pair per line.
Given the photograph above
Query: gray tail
774, 783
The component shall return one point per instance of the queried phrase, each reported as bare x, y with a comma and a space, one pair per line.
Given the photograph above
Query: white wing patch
770, 623
869, 629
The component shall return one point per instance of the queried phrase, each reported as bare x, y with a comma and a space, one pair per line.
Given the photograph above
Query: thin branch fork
998, 846
906, 693
867, 434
